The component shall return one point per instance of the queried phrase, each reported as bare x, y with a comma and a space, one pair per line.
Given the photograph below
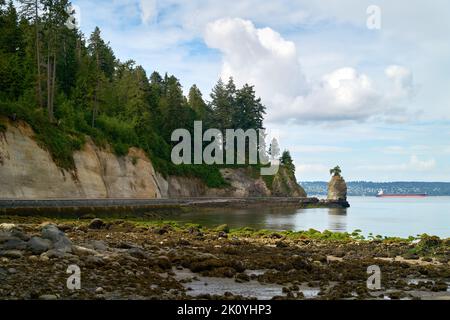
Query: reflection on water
388, 217
337, 219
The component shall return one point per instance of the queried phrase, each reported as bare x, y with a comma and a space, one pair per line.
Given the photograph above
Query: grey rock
82, 251
52, 233
14, 244
53, 254
99, 245
12, 254
5, 236
57, 237
137, 253
13, 230
39, 245
95, 260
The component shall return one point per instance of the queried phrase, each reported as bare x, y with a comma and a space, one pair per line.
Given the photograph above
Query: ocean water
379, 216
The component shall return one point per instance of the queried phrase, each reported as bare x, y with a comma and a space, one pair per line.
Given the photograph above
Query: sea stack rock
337, 188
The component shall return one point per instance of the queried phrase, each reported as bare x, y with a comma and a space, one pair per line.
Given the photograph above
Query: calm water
387, 217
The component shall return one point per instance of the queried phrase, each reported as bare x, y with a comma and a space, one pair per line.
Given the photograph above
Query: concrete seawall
81, 207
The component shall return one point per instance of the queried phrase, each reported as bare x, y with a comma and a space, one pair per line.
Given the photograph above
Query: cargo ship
381, 194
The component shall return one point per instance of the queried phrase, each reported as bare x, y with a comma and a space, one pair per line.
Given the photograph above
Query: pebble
12, 271
99, 290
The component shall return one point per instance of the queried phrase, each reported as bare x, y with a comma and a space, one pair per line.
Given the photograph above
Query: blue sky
375, 102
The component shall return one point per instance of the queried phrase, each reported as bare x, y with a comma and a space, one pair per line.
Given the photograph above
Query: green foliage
287, 162
68, 88
336, 171
209, 174
60, 142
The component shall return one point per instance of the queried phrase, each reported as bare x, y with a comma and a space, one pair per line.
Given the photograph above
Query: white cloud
148, 10
319, 149
262, 57
311, 168
415, 164
402, 81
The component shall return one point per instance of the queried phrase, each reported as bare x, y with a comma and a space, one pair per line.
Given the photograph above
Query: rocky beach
139, 259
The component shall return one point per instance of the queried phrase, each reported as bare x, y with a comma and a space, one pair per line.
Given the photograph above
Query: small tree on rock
336, 171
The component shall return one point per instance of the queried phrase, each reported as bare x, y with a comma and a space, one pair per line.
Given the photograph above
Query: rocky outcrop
243, 182
337, 189
285, 185
27, 171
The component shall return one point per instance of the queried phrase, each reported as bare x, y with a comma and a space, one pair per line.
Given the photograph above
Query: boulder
14, 244
96, 224
39, 245
337, 189
57, 237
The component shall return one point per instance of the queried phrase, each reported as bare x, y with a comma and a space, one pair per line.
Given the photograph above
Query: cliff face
285, 185
27, 171
337, 189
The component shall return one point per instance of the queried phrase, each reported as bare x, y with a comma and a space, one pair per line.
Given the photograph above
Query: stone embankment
79, 207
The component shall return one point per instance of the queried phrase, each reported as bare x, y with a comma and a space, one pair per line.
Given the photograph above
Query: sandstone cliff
27, 171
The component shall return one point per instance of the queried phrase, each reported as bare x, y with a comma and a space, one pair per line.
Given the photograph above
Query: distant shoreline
368, 188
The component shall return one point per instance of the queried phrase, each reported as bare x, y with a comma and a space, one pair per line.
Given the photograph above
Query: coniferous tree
103, 59
30, 10
287, 162
197, 103
11, 51
54, 18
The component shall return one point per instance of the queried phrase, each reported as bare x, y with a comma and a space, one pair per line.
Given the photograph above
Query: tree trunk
97, 85
38, 56
49, 76
53, 86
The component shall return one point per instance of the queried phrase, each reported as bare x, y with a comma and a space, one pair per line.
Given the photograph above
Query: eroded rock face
285, 185
28, 171
242, 184
337, 189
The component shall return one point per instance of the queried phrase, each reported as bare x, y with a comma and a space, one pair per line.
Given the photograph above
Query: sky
338, 91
